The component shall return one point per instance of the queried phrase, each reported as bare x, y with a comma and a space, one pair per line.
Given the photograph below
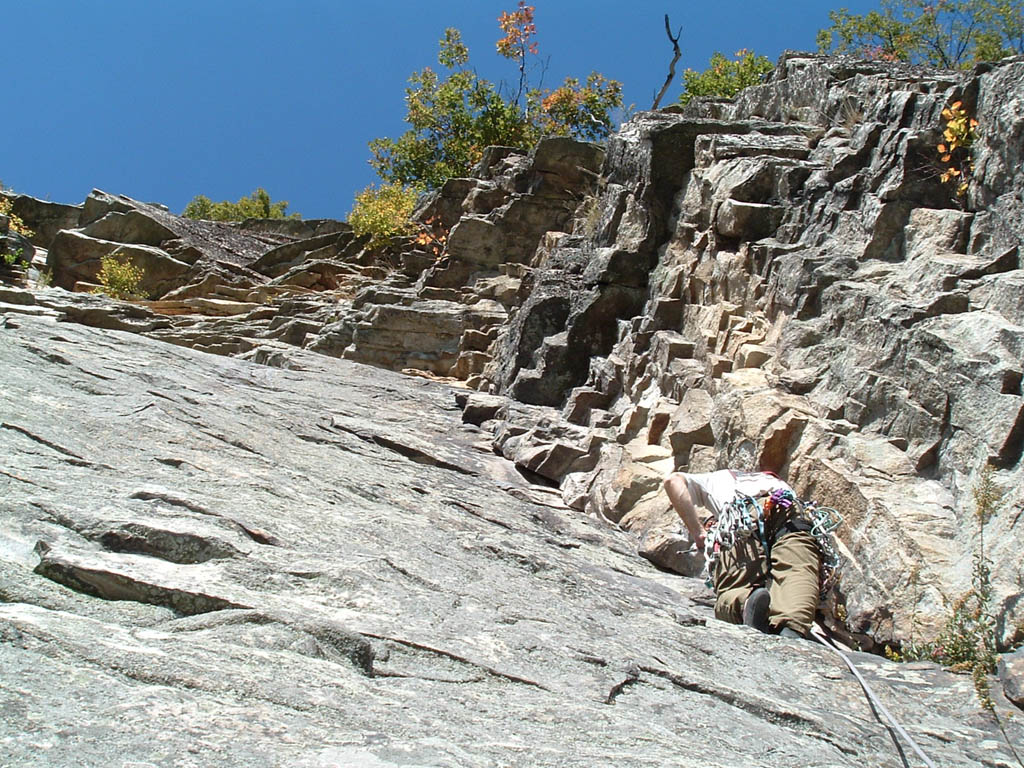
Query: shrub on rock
258, 205
383, 212
120, 279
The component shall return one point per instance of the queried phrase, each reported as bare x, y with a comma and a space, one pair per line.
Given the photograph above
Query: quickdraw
824, 521
744, 513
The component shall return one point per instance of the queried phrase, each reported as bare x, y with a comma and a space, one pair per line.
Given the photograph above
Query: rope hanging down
876, 706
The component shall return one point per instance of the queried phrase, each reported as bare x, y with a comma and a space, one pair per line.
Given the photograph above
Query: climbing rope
876, 705
744, 513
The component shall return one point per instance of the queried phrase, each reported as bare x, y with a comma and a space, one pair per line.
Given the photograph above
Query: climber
763, 560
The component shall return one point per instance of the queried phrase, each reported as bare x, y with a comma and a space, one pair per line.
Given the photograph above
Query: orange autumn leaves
519, 29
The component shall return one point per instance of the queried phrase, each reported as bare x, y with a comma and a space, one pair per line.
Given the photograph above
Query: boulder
1011, 674
690, 423
75, 256
748, 221
43, 217
478, 408
131, 226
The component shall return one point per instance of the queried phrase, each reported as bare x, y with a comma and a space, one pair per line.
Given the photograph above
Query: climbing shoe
791, 634
755, 610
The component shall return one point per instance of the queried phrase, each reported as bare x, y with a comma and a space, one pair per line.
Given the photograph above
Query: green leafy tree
725, 77
258, 205
453, 113
940, 33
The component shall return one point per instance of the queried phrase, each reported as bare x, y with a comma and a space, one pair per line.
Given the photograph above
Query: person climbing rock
763, 561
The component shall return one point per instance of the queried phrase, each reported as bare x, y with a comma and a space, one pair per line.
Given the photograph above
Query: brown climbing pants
792, 583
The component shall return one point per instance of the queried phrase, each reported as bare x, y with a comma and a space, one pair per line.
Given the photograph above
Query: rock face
441, 310
781, 282
784, 282
211, 561
411, 305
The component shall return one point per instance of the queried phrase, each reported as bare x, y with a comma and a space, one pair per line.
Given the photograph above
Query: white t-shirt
715, 490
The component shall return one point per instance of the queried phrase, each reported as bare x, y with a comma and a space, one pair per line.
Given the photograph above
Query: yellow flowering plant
15, 222
954, 150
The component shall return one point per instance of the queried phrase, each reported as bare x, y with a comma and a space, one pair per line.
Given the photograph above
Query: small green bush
258, 205
725, 77
120, 279
383, 212
15, 257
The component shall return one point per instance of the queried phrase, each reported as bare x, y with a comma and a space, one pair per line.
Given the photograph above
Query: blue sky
162, 101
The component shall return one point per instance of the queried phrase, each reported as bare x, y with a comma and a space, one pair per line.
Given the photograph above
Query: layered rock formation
782, 281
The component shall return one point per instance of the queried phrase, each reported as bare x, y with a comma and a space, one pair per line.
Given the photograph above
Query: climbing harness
877, 706
745, 514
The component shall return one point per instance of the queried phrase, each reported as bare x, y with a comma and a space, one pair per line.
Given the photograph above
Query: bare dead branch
676, 53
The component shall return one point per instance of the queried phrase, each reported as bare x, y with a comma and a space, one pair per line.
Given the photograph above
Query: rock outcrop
785, 282
180, 257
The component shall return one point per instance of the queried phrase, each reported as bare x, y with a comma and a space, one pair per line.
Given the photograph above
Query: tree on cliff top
725, 77
940, 33
455, 114
255, 206
258, 205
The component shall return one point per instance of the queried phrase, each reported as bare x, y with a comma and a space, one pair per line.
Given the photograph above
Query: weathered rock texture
207, 561
782, 281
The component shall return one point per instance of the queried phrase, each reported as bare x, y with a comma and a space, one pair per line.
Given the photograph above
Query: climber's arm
679, 493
